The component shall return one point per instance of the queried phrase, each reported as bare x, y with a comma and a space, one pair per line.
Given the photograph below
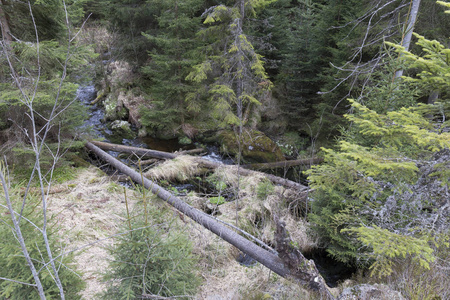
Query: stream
98, 128
332, 271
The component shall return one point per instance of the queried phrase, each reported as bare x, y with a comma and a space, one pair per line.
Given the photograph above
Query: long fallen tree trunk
206, 163
310, 276
284, 164
134, 150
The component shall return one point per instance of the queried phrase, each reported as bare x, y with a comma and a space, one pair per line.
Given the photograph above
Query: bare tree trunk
141, 152
284, 164
203, 162
268, 259
21, 240
409, 30
4, 24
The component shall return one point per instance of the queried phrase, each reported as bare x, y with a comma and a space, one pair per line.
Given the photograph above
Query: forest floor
90, 210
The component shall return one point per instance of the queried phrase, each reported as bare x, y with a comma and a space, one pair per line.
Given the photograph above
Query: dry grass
181, 168
90, 210
255, 215
224, 278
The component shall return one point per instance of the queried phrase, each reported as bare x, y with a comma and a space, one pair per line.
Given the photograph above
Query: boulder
255, 146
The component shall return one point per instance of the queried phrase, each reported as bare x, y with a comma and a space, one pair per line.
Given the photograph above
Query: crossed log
140, 152
288, 262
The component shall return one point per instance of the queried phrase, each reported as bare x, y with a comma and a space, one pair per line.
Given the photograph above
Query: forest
239, 149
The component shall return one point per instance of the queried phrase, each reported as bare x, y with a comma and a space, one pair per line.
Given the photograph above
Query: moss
217, 200
256, 146
121, 130
77, 160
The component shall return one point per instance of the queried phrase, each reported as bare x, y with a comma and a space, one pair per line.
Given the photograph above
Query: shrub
153, 258
14, 266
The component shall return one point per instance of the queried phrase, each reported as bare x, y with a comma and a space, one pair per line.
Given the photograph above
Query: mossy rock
256, 146
121, 130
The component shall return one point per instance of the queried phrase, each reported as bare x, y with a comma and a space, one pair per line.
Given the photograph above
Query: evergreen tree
170, 60
390, 165
296, 80
232, 69
129, 19
33, 69
48, 15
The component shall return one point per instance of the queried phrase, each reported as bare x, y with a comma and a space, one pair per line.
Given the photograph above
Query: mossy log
266, 258
206, 163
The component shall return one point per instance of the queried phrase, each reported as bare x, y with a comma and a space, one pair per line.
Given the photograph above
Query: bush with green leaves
153, 258
13, 264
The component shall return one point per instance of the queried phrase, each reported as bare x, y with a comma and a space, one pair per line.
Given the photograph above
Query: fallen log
284, 164
307, 274
192, 151
204, 162
245, 172
148, 161
141, 152
266, 258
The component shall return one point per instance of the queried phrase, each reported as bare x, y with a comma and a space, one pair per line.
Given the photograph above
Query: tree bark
4, 24
134, 150
266, 258
203, 162
284, 164
308, 274
409, 30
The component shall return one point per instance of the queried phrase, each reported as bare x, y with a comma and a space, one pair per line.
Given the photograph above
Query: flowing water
332, 271
86, 94
99, 129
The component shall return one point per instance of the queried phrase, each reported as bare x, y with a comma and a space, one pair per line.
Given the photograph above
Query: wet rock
122, 129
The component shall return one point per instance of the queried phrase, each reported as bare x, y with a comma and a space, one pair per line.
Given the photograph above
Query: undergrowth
12, 261
153, 257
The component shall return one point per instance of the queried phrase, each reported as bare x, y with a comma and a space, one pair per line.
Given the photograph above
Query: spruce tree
388, 177
232, 69
169, 62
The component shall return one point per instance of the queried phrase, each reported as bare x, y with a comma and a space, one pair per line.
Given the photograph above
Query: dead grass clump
227, 174
258, 202
132, 103
88, 211
98, 35
298, 231
181, 168
120, 73
414, 282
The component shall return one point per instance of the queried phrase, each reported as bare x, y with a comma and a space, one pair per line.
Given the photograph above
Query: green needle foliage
364, 173
154, 258
232, 69
13, 264
170, 61
393, 246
